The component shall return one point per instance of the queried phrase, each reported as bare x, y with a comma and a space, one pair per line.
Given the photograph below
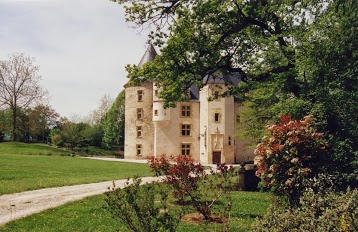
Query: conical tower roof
148, 56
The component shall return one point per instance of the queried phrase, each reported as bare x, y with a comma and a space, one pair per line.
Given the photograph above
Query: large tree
293, 57
19, 85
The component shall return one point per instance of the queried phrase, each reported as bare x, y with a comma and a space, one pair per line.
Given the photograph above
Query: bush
318, 211
193, 185
291, 153
136, 206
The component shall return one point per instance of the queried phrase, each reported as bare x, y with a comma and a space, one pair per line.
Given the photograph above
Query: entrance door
216, 157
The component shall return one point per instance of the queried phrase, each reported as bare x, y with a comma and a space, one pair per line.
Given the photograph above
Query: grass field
90, 214
35, 166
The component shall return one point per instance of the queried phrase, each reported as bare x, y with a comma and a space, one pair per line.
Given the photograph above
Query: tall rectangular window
185, 110
139, 131
139, 150
185, 130
185, 149
229, 141
139, 113
217, 117
140, 95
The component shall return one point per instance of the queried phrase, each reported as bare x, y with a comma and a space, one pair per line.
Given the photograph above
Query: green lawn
35, 166
89, 214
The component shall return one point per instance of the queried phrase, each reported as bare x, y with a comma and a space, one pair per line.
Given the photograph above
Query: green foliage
40, 119
113, 124
135, 206
292, 152
295, 57
324, 210
5, 124
80, 134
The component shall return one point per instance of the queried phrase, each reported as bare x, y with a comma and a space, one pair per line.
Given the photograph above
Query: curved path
18, 205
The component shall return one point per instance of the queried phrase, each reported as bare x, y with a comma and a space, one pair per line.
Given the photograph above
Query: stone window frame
139, 149
216, 94
185, 130
184, 111
156, 112
140, 113
229, 141
217, 117
140, 95
185, 148
139, 130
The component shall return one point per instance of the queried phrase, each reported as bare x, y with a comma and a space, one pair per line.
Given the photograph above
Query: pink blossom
295, 160
288, 182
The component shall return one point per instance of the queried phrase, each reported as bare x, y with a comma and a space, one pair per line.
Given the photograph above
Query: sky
81, 46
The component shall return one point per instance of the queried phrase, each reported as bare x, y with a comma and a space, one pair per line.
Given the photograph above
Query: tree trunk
14, 124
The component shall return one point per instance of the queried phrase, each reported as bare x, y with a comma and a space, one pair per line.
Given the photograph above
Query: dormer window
216, 95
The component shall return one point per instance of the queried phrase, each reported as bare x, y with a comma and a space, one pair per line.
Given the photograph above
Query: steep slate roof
148, 56
233, 78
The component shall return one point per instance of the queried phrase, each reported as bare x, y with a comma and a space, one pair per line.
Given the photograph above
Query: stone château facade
199, 127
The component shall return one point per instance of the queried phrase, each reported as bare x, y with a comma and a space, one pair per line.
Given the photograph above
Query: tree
41, 119
19, 85
113, 124
73, 134
253, 38
5, 122
98, 115
293, 57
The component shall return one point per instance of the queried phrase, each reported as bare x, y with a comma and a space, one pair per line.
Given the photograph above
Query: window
156, 92
155, 112
216, 95
139, 149
185, 149
185, 129
229, 140
217, 117
185, 110
139, 113
139, 131
140, 95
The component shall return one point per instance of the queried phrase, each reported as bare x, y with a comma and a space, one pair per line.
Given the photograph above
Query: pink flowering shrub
292, 152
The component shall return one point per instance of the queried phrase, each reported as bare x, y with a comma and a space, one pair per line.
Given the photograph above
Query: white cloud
81, 46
